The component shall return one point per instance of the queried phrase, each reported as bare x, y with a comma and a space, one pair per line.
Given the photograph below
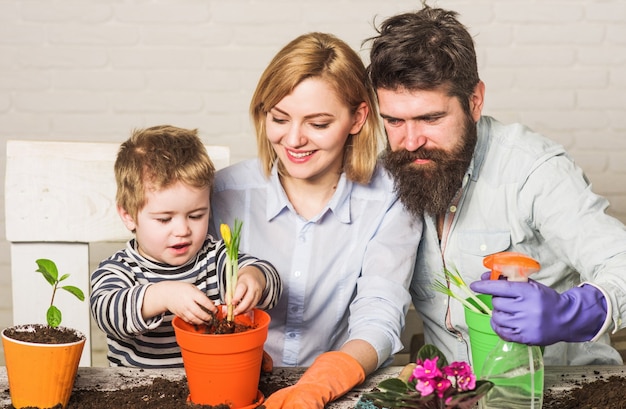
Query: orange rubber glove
331, 375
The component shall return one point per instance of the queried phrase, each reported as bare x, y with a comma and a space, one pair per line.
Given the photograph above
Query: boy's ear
127, 219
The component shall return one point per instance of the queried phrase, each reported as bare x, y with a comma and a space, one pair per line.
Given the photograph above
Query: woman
316, 204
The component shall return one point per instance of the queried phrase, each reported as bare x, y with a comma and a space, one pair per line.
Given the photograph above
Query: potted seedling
42, 360
222, 359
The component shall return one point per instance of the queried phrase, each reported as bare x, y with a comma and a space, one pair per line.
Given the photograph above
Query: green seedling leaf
48, 269
53, 316
76, 291
50, 272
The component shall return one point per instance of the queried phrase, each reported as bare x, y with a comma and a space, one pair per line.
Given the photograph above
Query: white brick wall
93, 70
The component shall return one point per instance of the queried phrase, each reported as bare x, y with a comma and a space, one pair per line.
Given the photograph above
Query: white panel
65, 191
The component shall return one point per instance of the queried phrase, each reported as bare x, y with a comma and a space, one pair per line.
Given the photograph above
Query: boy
172, 266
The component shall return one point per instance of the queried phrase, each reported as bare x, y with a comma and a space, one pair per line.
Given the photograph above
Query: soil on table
609, 393
160, 394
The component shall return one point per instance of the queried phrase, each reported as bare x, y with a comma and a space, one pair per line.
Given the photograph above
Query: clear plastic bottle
517, 373
515, 369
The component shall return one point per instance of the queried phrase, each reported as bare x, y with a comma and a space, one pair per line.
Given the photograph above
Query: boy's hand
249, 289
184, 300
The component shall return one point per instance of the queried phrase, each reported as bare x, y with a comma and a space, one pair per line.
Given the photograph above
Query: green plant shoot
50, 272
455, 279
232, 263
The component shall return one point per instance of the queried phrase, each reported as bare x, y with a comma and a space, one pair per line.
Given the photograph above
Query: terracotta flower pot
40, 375
223, 368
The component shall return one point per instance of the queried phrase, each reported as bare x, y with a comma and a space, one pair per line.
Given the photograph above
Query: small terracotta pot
41, 375
223, 368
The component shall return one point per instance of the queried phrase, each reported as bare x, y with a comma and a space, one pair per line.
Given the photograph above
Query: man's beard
430, 188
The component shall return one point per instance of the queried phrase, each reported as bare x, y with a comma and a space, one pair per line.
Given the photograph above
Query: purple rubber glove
533, 314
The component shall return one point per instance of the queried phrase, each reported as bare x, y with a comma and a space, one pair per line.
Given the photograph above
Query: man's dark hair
424, 50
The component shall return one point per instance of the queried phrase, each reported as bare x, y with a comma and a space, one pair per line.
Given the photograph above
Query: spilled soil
609, 393
160, 394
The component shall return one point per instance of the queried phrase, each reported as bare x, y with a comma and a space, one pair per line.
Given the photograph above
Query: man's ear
127, 219
477, 100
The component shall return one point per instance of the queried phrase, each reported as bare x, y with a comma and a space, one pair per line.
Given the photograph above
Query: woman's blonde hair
157, 157
324, 56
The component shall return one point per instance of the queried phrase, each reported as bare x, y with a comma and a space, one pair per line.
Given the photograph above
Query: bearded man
483, 187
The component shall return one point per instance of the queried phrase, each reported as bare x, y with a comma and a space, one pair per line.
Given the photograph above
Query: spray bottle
515, 369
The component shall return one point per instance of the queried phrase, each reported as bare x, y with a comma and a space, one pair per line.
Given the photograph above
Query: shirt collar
339, 203
480, 150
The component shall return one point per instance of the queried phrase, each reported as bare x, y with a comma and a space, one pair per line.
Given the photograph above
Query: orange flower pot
223, 368
41, 375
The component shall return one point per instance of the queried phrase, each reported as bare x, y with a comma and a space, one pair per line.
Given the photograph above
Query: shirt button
292, 335
297, 274
483, 247
452, 209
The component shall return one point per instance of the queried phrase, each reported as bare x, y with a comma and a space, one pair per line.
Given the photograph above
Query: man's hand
534, 314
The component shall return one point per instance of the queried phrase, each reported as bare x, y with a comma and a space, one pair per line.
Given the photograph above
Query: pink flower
457, 368
467, 382
426, 369
442, 385
425, 386
462, 372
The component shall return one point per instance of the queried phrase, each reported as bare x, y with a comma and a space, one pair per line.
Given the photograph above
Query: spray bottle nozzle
514, 266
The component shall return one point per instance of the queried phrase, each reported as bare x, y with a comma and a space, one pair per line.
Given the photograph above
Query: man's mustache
407, 157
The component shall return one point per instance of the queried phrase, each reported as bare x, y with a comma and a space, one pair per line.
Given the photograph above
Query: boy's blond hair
155, 158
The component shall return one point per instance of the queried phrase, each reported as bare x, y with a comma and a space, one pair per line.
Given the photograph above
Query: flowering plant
232, 263
430, 383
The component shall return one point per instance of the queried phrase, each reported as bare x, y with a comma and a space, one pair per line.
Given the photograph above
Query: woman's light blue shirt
345, 272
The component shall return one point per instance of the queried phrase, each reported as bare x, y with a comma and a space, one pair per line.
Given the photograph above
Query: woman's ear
127, 219
360, 115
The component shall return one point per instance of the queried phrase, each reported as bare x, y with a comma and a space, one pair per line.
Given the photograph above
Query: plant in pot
223, 358
42, 360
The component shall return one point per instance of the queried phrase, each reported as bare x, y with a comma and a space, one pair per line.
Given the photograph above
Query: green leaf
468, 399
50, 272
48, 269
393, 385
53, 316
76, 291
430, 351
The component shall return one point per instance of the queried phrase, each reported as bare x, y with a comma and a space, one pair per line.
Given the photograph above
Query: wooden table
557, 378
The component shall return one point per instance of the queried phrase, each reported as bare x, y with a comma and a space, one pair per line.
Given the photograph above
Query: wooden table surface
557, 379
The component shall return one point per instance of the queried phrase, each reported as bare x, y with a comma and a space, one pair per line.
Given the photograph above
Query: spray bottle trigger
514, 266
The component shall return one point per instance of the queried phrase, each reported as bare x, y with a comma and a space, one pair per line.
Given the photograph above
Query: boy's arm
116, 302
273, 284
